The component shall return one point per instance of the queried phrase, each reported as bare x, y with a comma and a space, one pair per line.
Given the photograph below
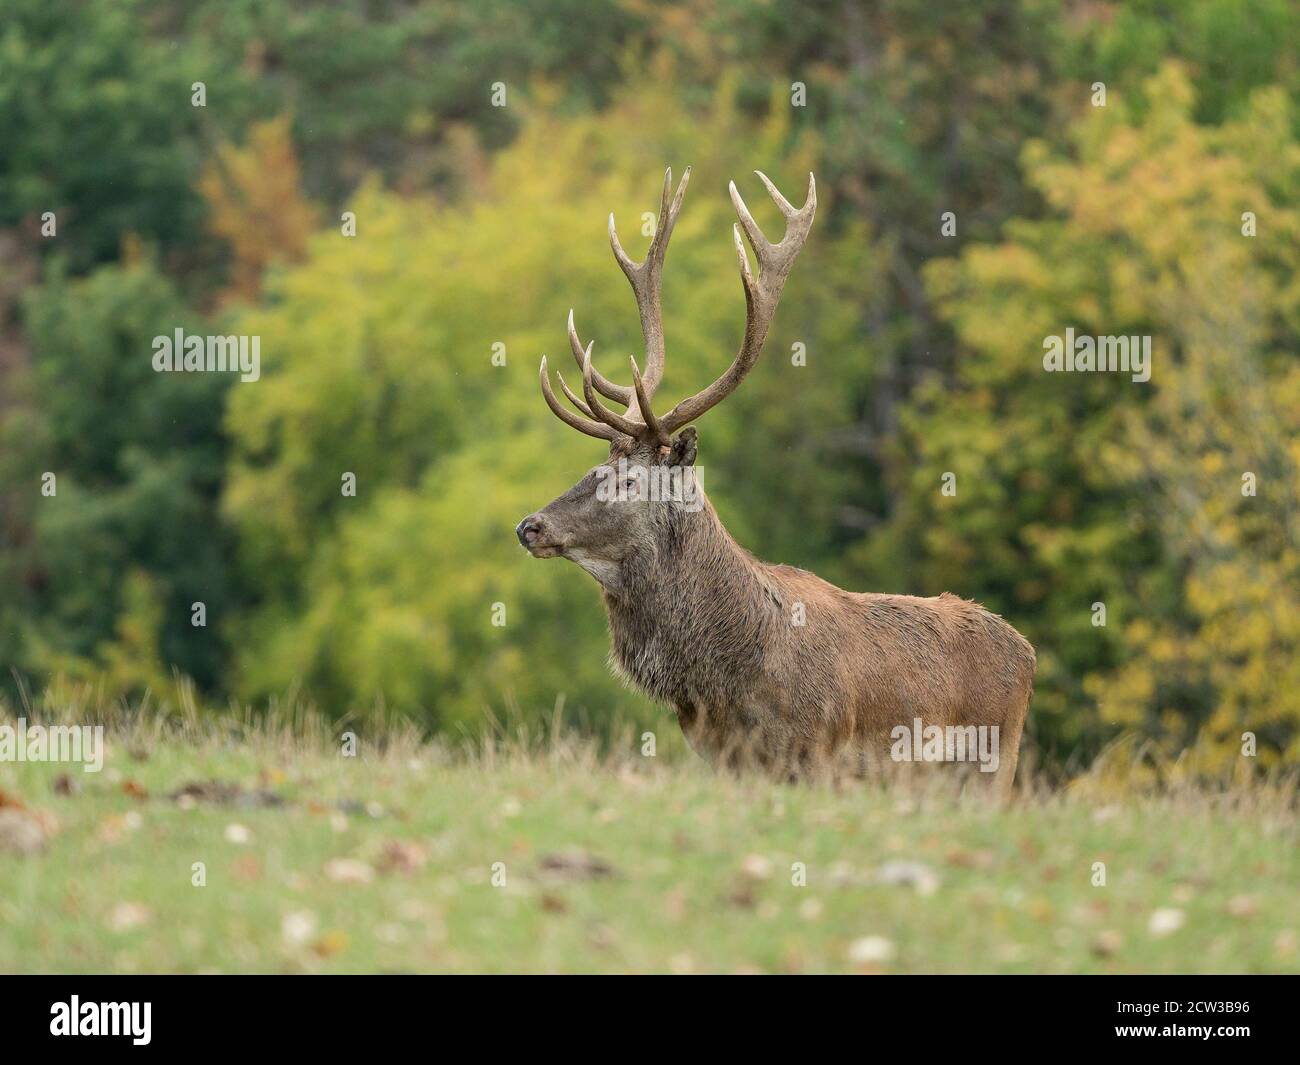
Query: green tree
137, 458
1082, 488
97, 127
379, 363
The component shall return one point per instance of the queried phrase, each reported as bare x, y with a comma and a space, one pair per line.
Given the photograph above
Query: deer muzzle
534, 535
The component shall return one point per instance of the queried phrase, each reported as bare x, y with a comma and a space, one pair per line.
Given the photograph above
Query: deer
763, 664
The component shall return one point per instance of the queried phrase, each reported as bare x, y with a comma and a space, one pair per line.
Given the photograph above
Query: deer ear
682, 453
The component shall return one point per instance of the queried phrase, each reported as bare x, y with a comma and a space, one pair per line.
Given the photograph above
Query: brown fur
761, 662
700, 624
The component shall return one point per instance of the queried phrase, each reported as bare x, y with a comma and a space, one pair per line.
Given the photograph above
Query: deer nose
528, 530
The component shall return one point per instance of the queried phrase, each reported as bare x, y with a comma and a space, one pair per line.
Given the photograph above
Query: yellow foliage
256, 204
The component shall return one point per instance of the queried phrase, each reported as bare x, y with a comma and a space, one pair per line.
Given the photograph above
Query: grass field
386, 861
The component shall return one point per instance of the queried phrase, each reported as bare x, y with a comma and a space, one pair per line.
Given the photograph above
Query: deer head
614, 513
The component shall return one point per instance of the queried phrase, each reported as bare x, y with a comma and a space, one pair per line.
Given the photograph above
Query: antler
646, 278
583, 425
761, 297
604, 386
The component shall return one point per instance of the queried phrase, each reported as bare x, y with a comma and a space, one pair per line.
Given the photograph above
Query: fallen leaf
1107, 943
675, 904
743, 896
811, 909
128, 915
1242, 906
226, 793
842, 874
960, 859
20, 833
246, 868
1040, 909
66, 784
401, 856
114, 827
910, 874
332, 942
390, 933
575, 865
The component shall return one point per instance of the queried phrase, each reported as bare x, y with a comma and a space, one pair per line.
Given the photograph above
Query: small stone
238, 834
913, 874
298, 927
128, 915
1242, 906
1165, 922
349, 871
871, 950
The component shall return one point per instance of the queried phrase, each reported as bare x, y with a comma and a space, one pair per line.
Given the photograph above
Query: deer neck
691, 611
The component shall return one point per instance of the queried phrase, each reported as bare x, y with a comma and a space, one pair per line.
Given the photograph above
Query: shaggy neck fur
693, 613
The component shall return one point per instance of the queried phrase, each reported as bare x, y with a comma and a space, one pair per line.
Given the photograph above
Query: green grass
699, 867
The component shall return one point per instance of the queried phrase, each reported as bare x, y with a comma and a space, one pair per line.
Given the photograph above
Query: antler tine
787, 208
606, 387
777, 259
646, 277
762, 294
583, 425
757, 241
617, 421
647, 411
575, 400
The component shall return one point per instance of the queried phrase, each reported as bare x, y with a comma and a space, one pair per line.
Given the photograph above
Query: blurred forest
478, 225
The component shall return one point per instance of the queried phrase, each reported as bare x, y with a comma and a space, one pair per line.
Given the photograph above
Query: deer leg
1009, 751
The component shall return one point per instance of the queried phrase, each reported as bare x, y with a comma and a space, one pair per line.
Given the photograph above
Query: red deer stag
761, 661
